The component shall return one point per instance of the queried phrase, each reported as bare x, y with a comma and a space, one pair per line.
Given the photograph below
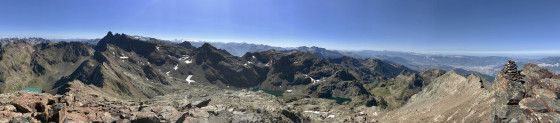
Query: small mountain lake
339, 100
32, 90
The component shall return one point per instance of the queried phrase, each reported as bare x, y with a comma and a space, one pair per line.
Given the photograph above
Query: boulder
532, 105
202, 102
551, 84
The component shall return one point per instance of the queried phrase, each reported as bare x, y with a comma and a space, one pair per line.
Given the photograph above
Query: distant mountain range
33, 41
487, 66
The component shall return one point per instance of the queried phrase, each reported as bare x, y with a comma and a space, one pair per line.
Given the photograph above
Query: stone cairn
515, 88
510, 69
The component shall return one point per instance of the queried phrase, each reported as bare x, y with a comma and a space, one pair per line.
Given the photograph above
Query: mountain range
125, 78
487, 66
484, 65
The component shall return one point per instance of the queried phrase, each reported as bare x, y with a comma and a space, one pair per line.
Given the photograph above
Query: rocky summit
127, 78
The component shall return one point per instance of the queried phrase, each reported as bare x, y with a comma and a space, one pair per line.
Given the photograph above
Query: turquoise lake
32, 89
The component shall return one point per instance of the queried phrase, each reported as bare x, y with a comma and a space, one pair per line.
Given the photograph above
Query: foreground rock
529, 95
197, 103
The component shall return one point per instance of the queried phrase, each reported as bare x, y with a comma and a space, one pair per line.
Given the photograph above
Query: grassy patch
275, 93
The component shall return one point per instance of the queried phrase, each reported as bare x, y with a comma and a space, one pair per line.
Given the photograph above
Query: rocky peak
109, 34
187, 45
206, 47
126, 43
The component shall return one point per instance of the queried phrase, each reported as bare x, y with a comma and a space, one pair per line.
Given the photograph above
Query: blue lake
32, 89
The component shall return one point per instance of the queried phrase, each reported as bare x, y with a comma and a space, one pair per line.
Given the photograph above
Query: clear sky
425, 26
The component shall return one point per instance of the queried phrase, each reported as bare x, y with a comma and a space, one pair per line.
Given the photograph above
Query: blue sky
425, 26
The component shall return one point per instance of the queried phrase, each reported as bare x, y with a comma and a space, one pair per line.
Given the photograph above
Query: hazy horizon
514, 54
498, 27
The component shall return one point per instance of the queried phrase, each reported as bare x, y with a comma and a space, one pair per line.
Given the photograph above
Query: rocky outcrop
541, 102
396, 91
527, 95
509, 92
448, 98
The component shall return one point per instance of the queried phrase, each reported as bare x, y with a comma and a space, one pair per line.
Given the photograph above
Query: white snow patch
316, 80
157, 47
330, 116
254, 57
361, 113
267, 64
123, 57
186, 58
167, 73
315, 112
189, 79
289, 91
176, 67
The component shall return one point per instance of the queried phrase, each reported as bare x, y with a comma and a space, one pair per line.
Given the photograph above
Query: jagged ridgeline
131, 67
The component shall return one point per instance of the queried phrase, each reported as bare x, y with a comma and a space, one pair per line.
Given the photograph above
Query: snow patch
289, 91
123, 57
157, 47
248, 62
330, 116
318, 80
254, 57
361, 113
267, 64
315, 112
189, 79
186, 59
167, 73
176, 67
